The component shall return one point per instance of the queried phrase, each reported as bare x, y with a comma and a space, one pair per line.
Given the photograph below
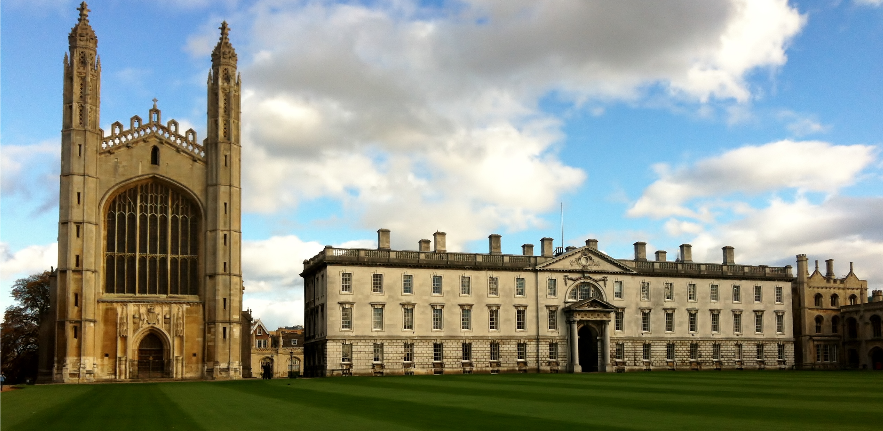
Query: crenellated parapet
139, 130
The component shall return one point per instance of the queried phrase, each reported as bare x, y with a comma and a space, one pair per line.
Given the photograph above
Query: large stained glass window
152, 242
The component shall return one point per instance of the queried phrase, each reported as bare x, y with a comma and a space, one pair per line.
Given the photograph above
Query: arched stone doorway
151, 357
876, 355
588, 348
267, 368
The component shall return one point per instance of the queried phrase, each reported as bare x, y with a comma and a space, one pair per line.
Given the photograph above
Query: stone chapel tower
223, 229
149, 281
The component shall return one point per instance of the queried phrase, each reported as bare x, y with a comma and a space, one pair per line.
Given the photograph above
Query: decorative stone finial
225, 31
224, 54
154, 102
84, 12
82, 35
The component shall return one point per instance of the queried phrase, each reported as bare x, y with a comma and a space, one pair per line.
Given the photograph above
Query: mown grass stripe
116, 406
663, 400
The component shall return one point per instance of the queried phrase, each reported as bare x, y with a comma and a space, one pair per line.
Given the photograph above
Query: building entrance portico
588, 337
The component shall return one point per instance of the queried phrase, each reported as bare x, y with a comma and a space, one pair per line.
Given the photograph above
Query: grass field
659, 400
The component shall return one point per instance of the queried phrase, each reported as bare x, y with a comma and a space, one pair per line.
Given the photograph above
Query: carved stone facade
371, 312
148, 283
832, 318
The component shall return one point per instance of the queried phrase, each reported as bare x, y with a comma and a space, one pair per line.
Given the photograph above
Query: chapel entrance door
151, 357
588, 348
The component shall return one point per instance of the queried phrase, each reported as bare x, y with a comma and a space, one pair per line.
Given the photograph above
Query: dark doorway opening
852, 358
267, 368
876, 358
151, 358
588, 348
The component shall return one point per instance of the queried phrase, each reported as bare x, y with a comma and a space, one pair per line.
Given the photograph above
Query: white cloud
847, 229
419, 119
751, 170
802, 125
15, 264
273, 264
273, 286
874, 3
30, 173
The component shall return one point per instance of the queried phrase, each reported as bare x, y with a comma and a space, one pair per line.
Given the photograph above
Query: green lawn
658, 400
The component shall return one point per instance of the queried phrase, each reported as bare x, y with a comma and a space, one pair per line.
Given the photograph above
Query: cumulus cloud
275, 262
15, 264
273, 287
751, 170
744, 186
847, 229
30, 173
419, 119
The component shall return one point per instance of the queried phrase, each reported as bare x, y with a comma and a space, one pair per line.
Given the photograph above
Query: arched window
152, 242
819, 321
853, 300
851, 328
875, 326
818, 299
835, 300
835, 325
154, 155
584, 291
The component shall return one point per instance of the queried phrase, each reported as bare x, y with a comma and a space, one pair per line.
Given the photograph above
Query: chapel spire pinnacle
224, 54
82, 35
84, 12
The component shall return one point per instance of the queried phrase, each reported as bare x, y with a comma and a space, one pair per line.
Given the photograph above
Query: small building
282, 350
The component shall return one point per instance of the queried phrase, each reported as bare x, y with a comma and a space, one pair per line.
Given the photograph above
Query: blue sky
755, 124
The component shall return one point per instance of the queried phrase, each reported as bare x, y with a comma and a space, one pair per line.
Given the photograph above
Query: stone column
606, 346
574, 344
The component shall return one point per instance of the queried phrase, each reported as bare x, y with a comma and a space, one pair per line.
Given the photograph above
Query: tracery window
152, 242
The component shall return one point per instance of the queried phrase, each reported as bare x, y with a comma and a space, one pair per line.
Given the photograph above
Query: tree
19, 332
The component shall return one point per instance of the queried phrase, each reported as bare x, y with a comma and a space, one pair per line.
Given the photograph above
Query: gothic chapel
149, 283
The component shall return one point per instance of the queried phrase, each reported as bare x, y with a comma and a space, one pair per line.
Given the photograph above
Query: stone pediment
591, 304
585, 259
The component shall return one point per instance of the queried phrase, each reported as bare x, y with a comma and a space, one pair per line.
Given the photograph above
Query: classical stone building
148, 283
821, 326
383, 311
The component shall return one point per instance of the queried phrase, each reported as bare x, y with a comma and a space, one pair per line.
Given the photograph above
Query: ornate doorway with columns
588, 338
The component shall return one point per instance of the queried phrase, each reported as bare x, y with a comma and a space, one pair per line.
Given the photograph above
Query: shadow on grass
414, 414
127, 407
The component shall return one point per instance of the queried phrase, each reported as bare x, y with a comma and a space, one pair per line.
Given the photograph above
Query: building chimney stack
686, 253
829, 264
423, 244
660, 255
546, 247
494, 246
729, 255
383, 239
802, 268
592, 244
527, 249
440, 246
641, 251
